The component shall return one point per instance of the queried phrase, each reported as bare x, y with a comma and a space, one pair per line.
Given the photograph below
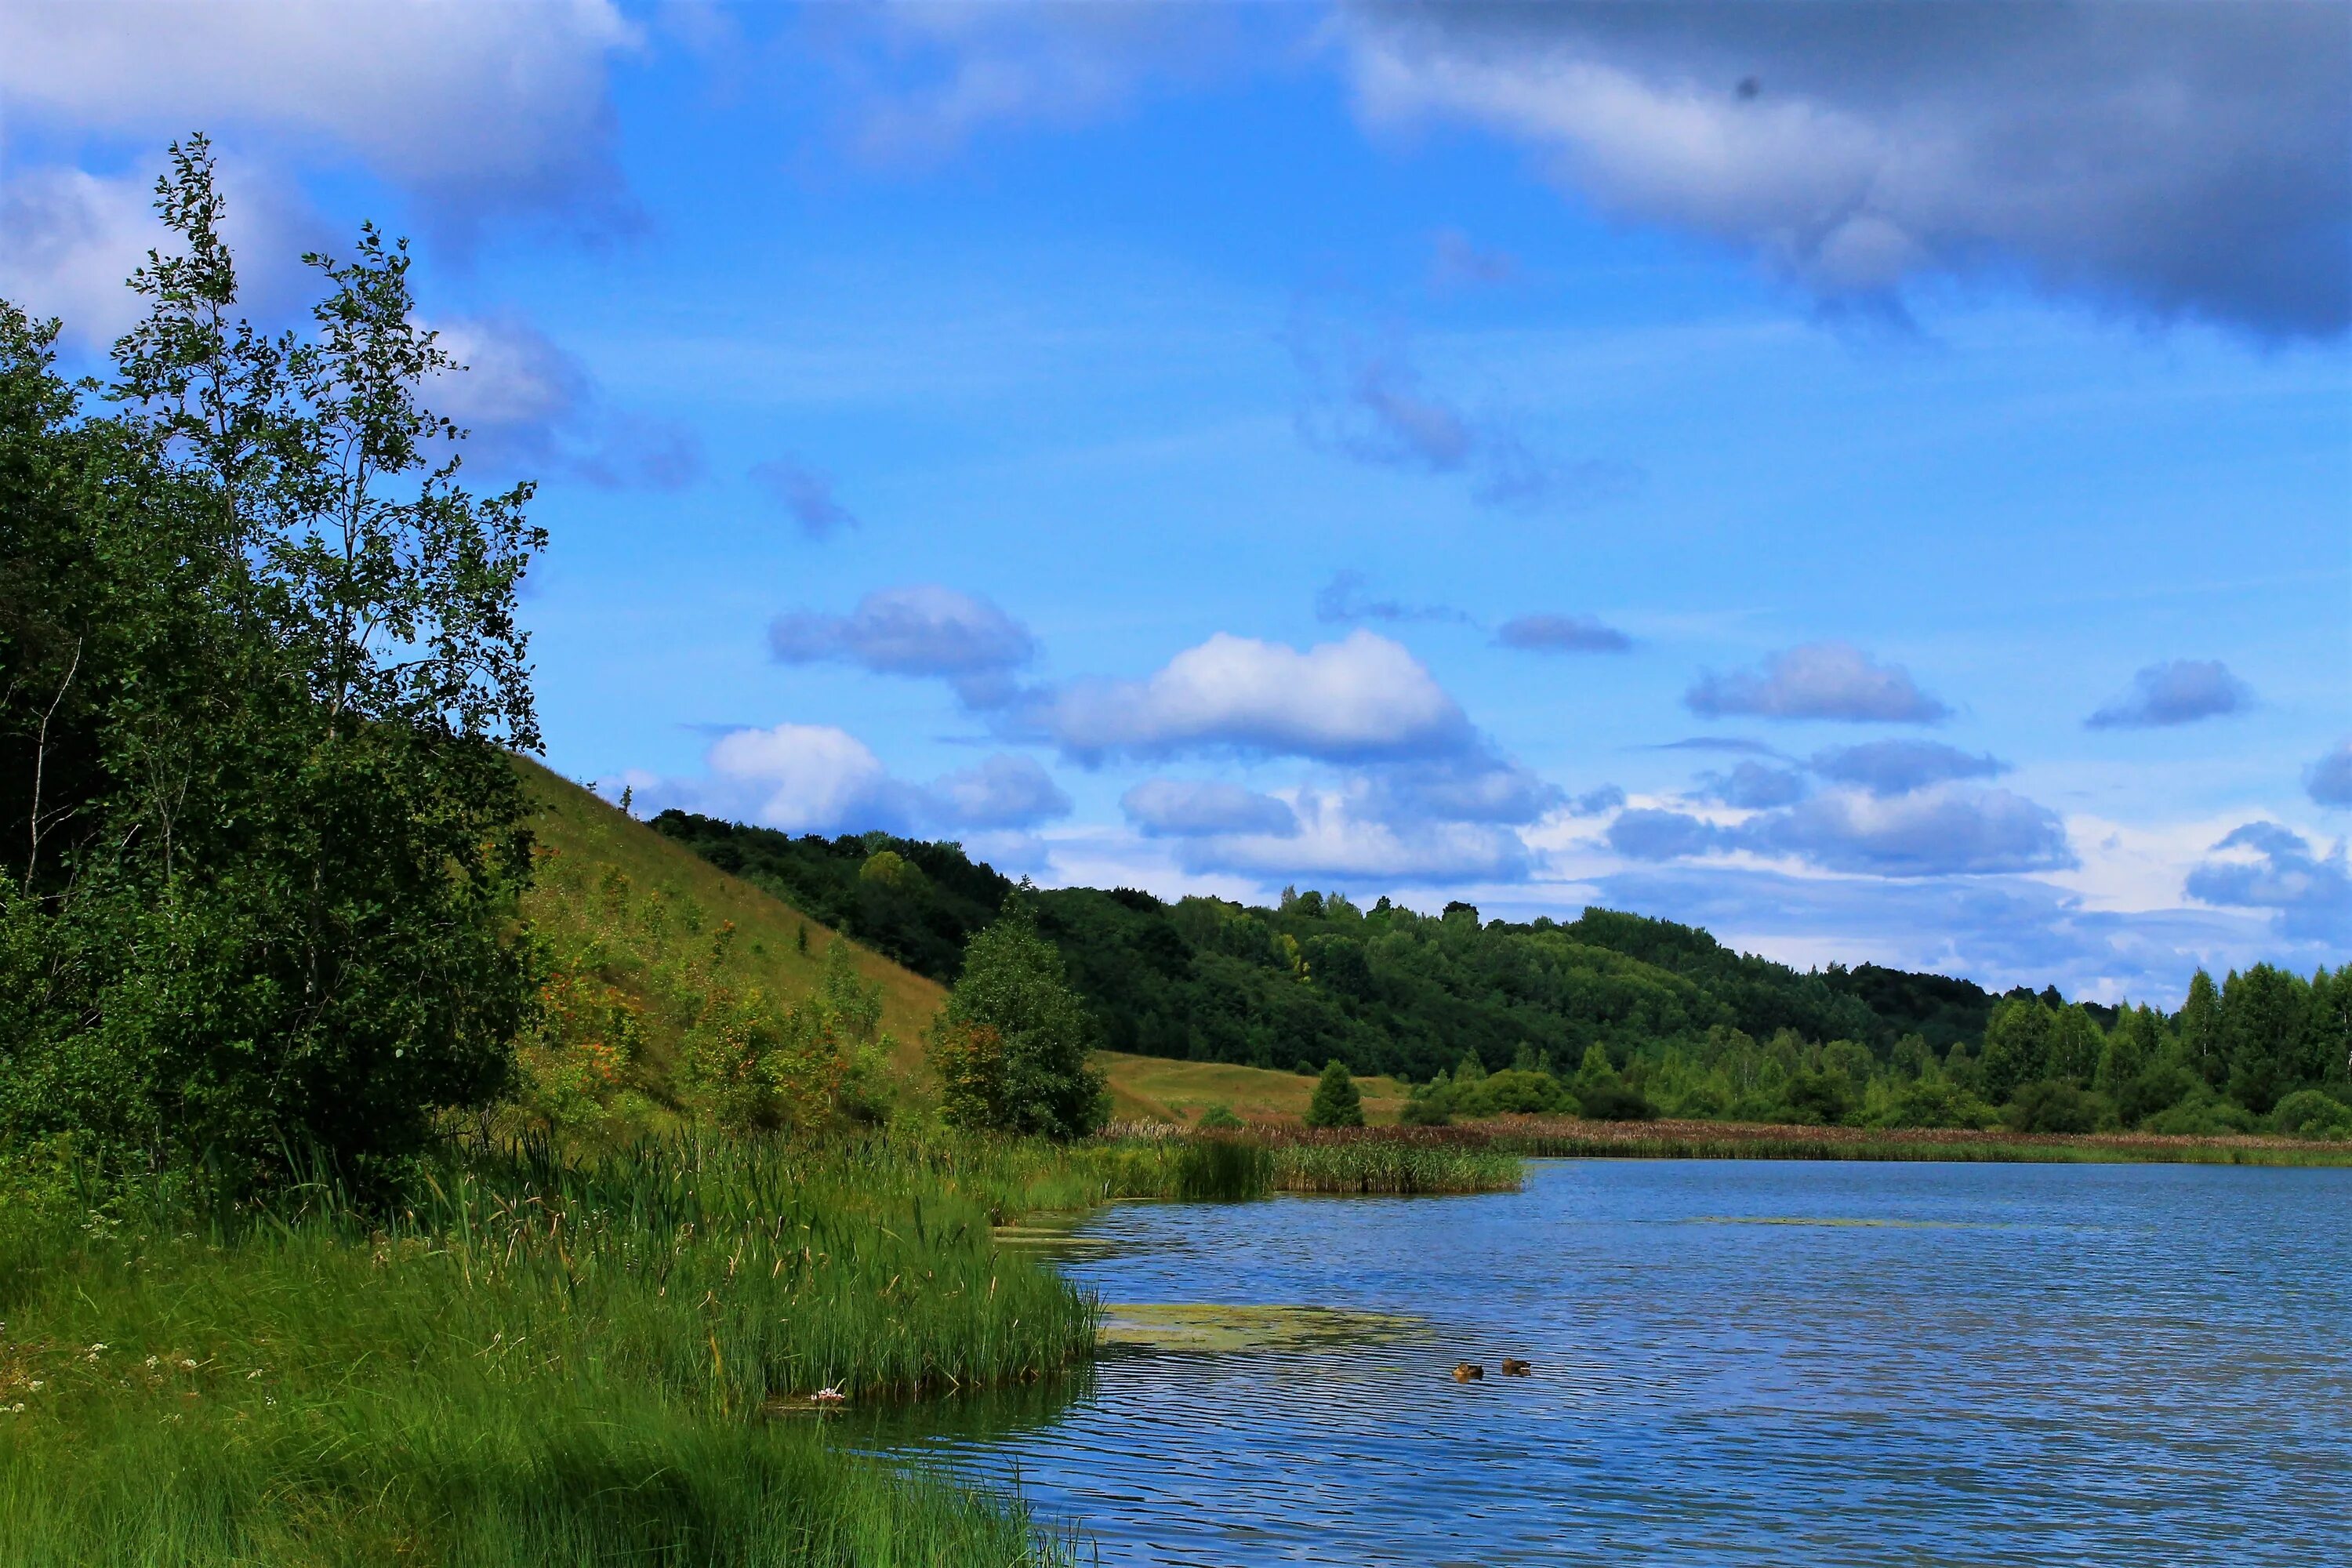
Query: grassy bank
534, 1361
1561, 1137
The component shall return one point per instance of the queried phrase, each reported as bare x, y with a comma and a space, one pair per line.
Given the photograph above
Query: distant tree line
1612, 1014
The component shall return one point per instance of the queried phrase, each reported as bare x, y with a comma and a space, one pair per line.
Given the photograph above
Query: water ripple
1875, 1364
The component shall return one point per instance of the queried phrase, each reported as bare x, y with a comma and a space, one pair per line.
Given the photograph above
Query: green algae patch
1208, 1327
1848, 1224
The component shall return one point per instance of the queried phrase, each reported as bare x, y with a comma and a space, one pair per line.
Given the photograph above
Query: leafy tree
2264, 1013
1336, 1103
2052, 1105
2016, 1046
265, 671
2201, 1030
1012, 1044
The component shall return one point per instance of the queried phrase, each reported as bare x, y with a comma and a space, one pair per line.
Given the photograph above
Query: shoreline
1570, 1138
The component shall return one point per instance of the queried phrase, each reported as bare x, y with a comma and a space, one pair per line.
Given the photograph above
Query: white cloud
1359, 698
1333, 836
69, 241
1818, 681
1195, 808
803, 778
464, 101
2179, 158
1003, 791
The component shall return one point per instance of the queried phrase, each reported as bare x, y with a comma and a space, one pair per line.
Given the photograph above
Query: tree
265, 676
2201, 1030
2016, 1046
1336, 1103
1011, 1047
2264, 1013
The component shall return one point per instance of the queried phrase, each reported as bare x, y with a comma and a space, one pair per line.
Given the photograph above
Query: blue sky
1874, 480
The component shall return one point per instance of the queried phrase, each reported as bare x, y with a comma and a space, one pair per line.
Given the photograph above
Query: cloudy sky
1874, 480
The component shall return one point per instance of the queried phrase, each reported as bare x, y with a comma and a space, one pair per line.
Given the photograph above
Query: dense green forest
1610, 1014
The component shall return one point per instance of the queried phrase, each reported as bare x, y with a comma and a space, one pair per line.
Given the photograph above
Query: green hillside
630, 912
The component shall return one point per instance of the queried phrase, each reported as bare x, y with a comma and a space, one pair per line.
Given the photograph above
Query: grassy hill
1156, 1089
640, 906
644, 907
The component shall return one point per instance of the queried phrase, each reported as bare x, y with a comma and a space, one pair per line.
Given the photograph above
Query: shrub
2310, 1113
1935, 1101
2052, 1105
1822, 1097
1011, 1046
1336, 1103
1219, 1118
1523, 1090
1609, 1101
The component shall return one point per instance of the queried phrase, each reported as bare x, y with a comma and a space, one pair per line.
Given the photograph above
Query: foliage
2052, 1105
2309, 1113
260, 841
919, 903
533, 1359
755, 1063
1219, 1118
1336, 1103
1011, 1046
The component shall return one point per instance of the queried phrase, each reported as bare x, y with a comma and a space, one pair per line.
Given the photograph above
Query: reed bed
534, 1361
1562, 1137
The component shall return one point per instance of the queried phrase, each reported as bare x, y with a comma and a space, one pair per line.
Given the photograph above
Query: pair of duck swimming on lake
1470, 1370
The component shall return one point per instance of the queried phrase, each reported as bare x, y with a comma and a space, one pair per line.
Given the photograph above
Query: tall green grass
534, 1361
1384, 1162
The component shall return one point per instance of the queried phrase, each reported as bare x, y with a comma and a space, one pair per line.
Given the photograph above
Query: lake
1734, 1363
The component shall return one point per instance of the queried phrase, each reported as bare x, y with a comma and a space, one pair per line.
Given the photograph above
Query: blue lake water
1735, 1363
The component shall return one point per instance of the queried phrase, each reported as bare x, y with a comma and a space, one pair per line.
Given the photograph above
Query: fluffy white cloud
531, 408
1194, 808
1898, 767
1333, 836
467, 102
2328, 781
1359, 698
2178, 691
69, 240
920, 630
1005, 791
2263, 865
804, 778
2182, 159
817, 778
1816, 680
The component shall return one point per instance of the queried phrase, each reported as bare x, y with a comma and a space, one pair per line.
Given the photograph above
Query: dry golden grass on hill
1154, 1089
582, 838
679, 901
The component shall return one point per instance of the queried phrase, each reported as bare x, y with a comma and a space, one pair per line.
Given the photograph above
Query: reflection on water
1843, 1365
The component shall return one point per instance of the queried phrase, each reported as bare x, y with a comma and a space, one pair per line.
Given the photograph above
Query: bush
1422, 1109
1011, 1046
2052, 1105
1337, 1101
1523, 1090
1609, 1101
1219, 1118
2156, 1089
1821, 1098
2310, 1113
1933, 1103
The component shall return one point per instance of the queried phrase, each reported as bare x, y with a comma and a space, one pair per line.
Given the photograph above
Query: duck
1466, 1371
1514, 1367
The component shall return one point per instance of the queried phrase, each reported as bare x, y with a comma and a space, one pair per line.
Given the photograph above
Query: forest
1612, 1014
